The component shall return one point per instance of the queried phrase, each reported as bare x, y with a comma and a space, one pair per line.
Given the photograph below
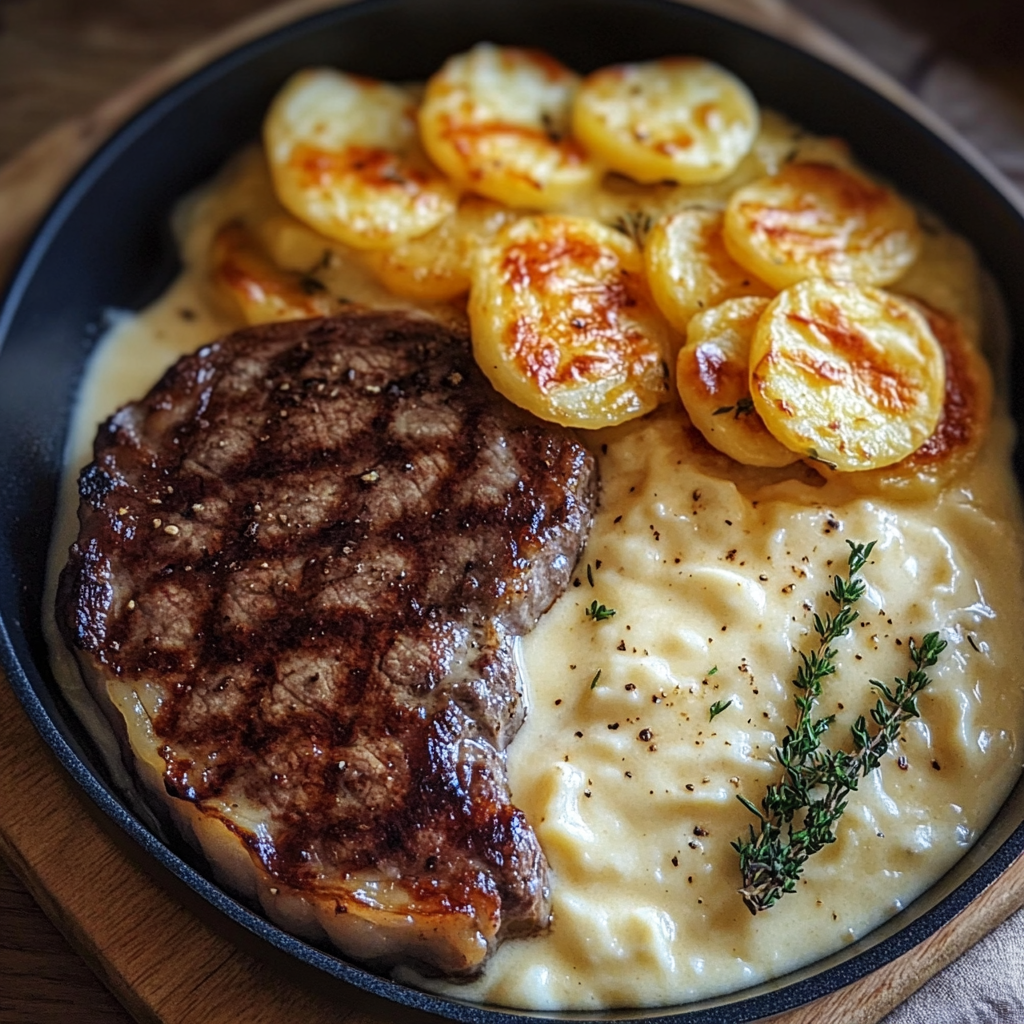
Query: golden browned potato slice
689, 268
677, 119
496, 119
344, 157
962, 427
259, 289
819, 220
712, 374
563, 323
849, 376
436, 266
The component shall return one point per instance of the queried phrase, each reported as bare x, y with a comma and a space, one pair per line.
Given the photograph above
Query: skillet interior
107, 244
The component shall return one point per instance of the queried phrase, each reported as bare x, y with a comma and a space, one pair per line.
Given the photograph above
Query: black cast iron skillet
106, 244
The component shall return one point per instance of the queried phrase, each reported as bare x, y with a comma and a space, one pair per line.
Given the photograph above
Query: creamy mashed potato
632, 788
714, 572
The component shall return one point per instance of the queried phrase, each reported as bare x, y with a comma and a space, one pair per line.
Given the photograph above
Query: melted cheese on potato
678, 119
851, 376
820, 220
563, 324
713, 569
495, 119
345, 158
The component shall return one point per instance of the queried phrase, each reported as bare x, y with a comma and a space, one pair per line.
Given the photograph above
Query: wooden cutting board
162, 962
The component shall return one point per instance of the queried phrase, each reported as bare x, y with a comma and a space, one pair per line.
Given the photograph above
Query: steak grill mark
319, 539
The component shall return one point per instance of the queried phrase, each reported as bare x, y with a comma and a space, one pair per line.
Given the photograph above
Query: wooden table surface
60, 58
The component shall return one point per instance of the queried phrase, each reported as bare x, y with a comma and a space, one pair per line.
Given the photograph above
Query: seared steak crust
317, 541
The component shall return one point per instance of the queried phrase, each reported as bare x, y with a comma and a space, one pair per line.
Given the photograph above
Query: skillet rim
752, 1003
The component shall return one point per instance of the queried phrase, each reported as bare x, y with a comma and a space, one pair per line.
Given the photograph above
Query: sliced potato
496, 119
712, 375
820, 220
563, 324
293, 245
344, 158
962, 426
689, 269
259, 289
436, 266
852, 377
344, 271
677, 119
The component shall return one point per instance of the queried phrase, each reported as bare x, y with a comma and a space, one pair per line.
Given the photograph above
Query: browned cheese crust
317, 540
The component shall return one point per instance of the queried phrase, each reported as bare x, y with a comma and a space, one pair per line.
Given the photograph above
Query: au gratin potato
598, 278
770, 352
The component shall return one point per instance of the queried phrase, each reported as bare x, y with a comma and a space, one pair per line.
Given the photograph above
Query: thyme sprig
799, 815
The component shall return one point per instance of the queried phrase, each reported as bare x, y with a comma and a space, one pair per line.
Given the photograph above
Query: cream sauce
714, 576
632, 788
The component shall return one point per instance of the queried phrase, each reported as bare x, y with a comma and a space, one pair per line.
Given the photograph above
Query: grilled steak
302, 562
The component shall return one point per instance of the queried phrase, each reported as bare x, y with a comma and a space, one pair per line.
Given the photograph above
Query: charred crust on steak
318, 540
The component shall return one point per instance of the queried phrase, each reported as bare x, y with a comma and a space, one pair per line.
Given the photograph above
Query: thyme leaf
598, 612
812, 454
798, 815
744, 407
593, 682
636, 225
717, 708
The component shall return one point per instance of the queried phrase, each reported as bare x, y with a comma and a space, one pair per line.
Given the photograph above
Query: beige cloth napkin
985, 986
